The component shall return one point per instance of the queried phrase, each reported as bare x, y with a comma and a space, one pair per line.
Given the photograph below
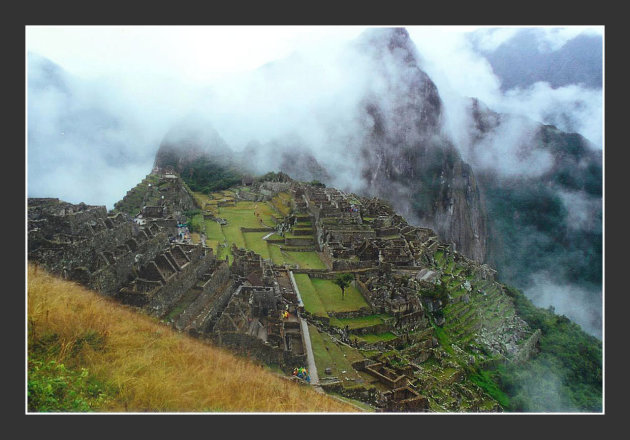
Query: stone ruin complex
262, 317
254, 306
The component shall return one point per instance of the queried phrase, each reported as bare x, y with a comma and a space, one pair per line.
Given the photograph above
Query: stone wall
299, 241
254, 347
161, 301
275, 187
350, 265
527, 348
98, 251
112, 277
202, 314
363, 311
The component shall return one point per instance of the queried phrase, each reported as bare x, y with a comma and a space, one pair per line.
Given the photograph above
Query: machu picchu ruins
253, 268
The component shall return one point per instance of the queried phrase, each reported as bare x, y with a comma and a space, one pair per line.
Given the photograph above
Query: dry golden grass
151, 367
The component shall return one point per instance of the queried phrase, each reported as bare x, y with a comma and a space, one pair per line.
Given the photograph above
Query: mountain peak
391, 40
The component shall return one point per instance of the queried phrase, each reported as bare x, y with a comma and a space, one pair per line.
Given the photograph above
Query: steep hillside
418, 326
154, 191
90, 353
197, 152
545, 221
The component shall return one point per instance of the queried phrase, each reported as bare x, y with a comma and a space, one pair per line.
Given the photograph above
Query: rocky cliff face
407, 159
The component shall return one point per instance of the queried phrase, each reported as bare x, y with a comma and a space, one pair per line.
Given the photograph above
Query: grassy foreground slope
89, 353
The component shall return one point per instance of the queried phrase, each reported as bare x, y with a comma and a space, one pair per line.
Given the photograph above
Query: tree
344, 281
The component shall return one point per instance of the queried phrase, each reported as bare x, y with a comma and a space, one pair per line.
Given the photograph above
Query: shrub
53, 387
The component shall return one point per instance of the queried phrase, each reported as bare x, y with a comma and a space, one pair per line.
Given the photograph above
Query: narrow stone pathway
312, 368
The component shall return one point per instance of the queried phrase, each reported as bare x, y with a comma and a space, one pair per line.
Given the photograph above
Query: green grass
443, 339
306, 228
276, 254
275, 237
370, 353
233, 234
483, 379
222, 252
312, 302
330, 295
242, 215
254, 241
338, 358
214, 231
197, 223
306, 260
52, 386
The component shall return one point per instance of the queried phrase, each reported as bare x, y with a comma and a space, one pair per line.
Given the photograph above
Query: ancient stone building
262, 317
85, 244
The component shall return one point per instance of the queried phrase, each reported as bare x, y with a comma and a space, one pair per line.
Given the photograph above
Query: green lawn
243, 215
309, 295
274, 236
306, 260
276, 254
338, 358
330, 295
213, 231
254, 241
233, 234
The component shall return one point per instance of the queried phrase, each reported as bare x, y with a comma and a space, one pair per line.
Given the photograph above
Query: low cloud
581, 210
579, 304
91, 140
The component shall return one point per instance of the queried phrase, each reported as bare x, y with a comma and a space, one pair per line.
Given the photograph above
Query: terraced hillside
156, 190
353, 329
418, 328
229, 220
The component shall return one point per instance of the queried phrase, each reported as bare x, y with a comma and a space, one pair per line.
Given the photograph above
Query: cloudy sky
149, 76
203, 53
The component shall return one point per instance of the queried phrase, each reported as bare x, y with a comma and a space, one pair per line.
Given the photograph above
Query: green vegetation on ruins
468, 305
239, 214
418, 326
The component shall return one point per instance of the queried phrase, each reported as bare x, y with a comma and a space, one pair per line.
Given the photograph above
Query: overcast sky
203, 53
